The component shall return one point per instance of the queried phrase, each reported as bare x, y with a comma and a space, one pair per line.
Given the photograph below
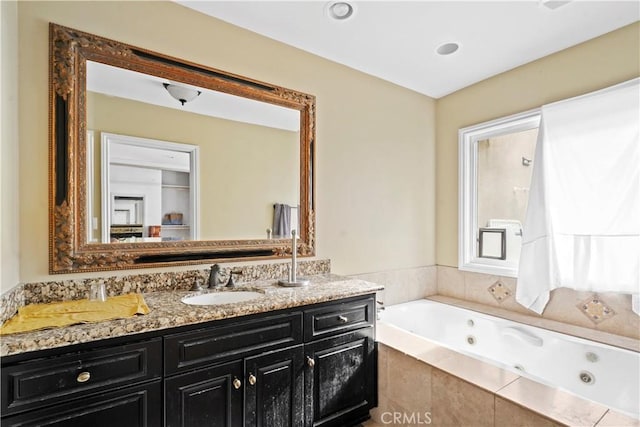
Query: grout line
603, 415
507, 385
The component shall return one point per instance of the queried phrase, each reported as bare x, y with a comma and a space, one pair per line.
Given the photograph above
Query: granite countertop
168, 311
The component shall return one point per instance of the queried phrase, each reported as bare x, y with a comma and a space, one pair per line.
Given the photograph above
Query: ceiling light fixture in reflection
181, 93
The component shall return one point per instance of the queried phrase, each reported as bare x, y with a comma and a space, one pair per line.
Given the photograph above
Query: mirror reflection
211, 168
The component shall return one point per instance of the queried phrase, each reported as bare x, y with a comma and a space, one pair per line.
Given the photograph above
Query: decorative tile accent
596, 309
499, 291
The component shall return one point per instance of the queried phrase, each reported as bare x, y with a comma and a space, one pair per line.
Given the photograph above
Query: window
495, 160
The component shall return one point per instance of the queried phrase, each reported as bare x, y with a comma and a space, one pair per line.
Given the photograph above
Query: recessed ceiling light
340, 10
447, 48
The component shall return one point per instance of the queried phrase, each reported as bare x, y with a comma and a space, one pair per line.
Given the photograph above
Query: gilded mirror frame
69, 251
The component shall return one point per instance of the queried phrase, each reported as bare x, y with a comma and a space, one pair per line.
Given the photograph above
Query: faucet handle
231, 283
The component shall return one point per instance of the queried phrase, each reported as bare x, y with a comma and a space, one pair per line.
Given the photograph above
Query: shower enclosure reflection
503, 190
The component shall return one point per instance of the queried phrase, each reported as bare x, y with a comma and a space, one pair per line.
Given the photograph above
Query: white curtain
582, 228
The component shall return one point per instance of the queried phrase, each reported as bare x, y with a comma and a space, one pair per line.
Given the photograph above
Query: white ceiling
396, 40
118, 82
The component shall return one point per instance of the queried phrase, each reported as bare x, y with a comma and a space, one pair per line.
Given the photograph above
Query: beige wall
9, 213
375, 141
601, 62
244, 168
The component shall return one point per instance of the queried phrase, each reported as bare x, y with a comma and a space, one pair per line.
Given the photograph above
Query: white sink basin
215, 298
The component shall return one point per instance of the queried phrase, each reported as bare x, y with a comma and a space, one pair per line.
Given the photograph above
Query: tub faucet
379, 308
214, 276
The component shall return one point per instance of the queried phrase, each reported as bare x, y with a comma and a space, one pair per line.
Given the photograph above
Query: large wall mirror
157, 161
495, 165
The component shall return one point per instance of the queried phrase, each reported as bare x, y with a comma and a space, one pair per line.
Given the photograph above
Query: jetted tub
599, 372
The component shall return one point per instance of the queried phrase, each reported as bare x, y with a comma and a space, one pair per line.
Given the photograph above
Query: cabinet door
210, 397
274, 393
138, 406
340, 379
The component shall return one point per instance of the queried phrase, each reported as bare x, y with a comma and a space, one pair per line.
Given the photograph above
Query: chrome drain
587, 377
471, 339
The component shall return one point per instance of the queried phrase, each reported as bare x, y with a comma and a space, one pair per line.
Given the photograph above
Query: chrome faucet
214, 276
379, 308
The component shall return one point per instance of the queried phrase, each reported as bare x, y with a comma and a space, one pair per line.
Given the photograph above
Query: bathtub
598, 372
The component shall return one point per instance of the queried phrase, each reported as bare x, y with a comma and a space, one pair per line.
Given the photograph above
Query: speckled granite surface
64, 290
168, 311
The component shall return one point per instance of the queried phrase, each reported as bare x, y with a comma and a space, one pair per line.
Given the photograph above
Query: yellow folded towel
41, 316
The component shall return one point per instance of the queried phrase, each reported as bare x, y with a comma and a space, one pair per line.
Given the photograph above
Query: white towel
582, 228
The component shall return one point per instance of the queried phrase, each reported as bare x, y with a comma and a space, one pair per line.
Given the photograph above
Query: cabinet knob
83, 377
311, 362
252, 379
343, 319
237, 383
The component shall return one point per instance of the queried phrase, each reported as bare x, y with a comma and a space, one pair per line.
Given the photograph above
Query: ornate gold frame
68, 248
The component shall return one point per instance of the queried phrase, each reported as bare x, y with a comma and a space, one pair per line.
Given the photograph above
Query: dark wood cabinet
274, 390
307, 366
138, 406
206, 397
340, 386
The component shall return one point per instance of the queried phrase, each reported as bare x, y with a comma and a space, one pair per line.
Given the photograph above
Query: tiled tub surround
608, 312
72, 289
168, 311
419, 381
603, 373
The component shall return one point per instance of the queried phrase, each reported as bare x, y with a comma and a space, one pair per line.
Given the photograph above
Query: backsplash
607, 312
73, 289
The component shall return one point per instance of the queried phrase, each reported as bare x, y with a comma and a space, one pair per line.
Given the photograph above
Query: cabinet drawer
52, 380
215, 344
338, 318
137, 406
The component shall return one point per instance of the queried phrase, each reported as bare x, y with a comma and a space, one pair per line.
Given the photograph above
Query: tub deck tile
477, 372
411, 344
553, 403
508, 414
616, 419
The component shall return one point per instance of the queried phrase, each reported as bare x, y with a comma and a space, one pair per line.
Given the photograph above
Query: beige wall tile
558, 405
509, 414
458, 403
409, 382
615, 419
451, 282
625, 322
562, 306
405, 284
